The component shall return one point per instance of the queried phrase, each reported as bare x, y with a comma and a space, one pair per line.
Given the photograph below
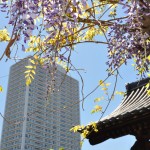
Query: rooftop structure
35, 123
131, 117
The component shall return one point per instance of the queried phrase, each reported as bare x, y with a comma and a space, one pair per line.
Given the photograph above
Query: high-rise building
34, 123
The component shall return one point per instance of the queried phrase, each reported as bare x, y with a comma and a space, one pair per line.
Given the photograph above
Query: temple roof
130, 117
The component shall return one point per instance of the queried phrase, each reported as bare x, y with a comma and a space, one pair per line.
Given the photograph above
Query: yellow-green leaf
120, 93
36, 56
28, 71
148, 57
101, 83
29, 67
61, 148
4, 35
27, 75
28, 81
94, 125
85, 133
107, 84
98, 99
148, 92
33, 71
81, 143
76, 128
1, 89
97, 108
104, 89
32, 61
147, 85
31, 76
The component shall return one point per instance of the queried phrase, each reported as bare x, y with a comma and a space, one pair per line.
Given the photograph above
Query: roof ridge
137, 84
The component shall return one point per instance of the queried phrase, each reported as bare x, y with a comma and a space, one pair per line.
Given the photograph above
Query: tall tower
34, 123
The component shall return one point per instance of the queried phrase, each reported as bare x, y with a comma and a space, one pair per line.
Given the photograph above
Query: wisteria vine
131, 38
63, 23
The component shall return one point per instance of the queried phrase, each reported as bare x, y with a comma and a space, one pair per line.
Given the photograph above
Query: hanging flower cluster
58, 19
60, 23
131, 38
24, 12
56, 28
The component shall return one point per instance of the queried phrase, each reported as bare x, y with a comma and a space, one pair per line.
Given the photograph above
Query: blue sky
92, 59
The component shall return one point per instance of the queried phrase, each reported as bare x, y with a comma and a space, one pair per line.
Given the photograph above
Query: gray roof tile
134, 108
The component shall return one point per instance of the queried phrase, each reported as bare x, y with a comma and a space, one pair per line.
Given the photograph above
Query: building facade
34, 122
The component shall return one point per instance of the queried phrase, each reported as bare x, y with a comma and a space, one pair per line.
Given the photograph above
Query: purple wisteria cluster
128, 38
131, 38
23, 12
54, 13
